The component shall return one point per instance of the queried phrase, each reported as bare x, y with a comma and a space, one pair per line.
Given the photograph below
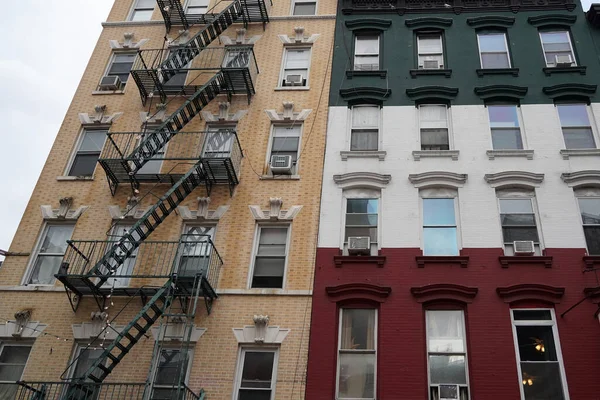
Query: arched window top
358, 292
444, 292
501, 92
429, 23
579, 179
519, 179
570, 92
365, 95
549, 20
370, 180
432, 93
438, 179
531, 291
491, 22
368, 24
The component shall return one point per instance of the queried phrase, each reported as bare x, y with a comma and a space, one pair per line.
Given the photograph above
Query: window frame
288, 241
75, 151
361, 193
440, 193
591, 121
133, 10
36, 251
111, 61
189, 350
12, 343
274, 124
282, 74
519, 120
339, 351
505, 35
465, 353
351, 127
442, 45
556, 337
187, 5
594, 196
448, 125
379, 36
294, 2
521, 195
240, 367
572, 48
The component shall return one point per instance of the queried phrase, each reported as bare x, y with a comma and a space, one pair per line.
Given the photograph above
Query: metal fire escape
170, 277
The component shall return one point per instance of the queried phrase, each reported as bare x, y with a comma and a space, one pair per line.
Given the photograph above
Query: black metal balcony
23, 390
145, 270
219, 151
185, 71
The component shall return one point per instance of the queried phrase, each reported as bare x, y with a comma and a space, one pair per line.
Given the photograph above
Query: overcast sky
47, 44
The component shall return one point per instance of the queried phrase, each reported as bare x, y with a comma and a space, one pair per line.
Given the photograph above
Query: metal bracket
74, 298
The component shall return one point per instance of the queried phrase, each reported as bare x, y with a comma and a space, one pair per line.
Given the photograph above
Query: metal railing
191, 255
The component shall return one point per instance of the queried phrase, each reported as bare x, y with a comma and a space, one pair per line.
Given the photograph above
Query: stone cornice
491, 21
570, 90
362, 179
581, 178
531, 291
552, 20
368, 24
428, 22
514, 179
358, 291
248, 334
370, 94
432, 92
438, 179
444, 292
511, 92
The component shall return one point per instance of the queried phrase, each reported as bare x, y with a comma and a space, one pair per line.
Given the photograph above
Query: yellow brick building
251, 229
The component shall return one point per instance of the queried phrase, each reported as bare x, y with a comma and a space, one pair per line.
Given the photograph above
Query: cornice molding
372, 94
491, 21
177, 332
438, 179
64, 212
358, 291
368, 23
429, 22
444, 291
432, 92
570, 90
531, 291
552, 20
274, 213
248, 334
202, 213
362, 179
579, 179
514, 179
490, 92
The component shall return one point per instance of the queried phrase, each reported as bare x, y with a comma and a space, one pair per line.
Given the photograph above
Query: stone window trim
365, 94
438, 179
202, 213
370, 180
127, 43
493, 154
438, 23
131, 211
99, 119
358, 293
423, 94
568, 153
288, 115
511, 93
300, 38
64, 212
260, 333
177, 332
530, 292
21, 327
519, 179
581, 179
97, 329
274, 213
553, 20
372, 24
380, 155
491, 22
452, 154
570, 92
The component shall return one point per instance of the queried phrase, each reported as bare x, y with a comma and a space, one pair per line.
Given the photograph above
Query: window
196, 7
304, 7
434, 127
590, 216
518, 223
142, 10
256, 376
576, 127
84, 358
49, 255
167, 373
447, 355
361, 219
504, 123
439, 228
538, 354
295, 67
431, 54
364, 135
196, 250
286, 142
88, 152
237, 57
120, 65
557, 48
121, 275
357, 354
219, 142
270, 257
493, 50
366, 52
13, 358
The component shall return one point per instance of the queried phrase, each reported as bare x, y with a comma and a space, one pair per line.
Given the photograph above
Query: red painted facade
401, 353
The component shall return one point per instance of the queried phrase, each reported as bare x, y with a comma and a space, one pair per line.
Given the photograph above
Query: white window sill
74, 178
418, 154
103, 92
280, 177
267, 292
363, 154
510, 153
284, 88
566, 153
32, 288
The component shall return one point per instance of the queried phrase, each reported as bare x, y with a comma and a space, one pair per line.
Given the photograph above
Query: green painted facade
529, 81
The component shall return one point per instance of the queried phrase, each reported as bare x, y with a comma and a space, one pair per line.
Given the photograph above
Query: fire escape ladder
173, 13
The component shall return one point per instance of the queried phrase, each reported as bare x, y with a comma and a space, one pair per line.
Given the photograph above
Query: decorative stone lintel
240, 39
22, 327
380, 155
202, 213
422, 260
492, 154
274, 213
362, 179
531, 291
358, 291
176, 332
94, 329
444, 292
288, 114
157, 118
341, 260
581, 178
567, 153
418, 154
127, 43
514, 178
99, 117
505, 261
224, 116
64, 211
438, 178
299, 38
273, 335
590, 261
131, 211
260, 328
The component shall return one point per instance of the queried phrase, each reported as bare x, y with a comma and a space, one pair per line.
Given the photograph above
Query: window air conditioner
110, 83
359, 245
448, 392
293, 80
563, 60
431, 64
524, 247
281, 165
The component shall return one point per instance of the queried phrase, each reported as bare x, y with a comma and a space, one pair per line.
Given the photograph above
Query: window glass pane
56, 238
592, 238
536, 343
445, 331
145, 4
579, 138
365, 140
512, 234
517, 219
367, 45
92, 141
357, 376
573, 115
286, 131
269, 266
305, 8
365, 117
85, 360
14, 354
84, 164
10, 373
353, 232
285, 144
44, 269
506, 139
495, 60
361, 219
440, 242
197, 3
516, 206
590, 210
541, 381
438, 212
273, 236
503, 116
170, 366
532, 315
362, 206
447, 369
434, 139
257, 371
492, 43
358, 329
142, 15
549, 38
297, 59
254, 394
430, 44
433, 116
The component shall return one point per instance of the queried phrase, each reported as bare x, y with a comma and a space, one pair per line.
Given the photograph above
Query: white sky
36, 94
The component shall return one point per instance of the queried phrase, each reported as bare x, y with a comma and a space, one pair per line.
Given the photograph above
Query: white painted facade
559, 221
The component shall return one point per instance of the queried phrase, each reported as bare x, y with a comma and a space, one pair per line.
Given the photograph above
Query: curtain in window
365, 117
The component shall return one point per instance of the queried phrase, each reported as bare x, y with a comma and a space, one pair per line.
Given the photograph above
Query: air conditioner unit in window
281, 165
448, 392
110, 83
293, 80
524, 247
563, 60
359, 245
431, 64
